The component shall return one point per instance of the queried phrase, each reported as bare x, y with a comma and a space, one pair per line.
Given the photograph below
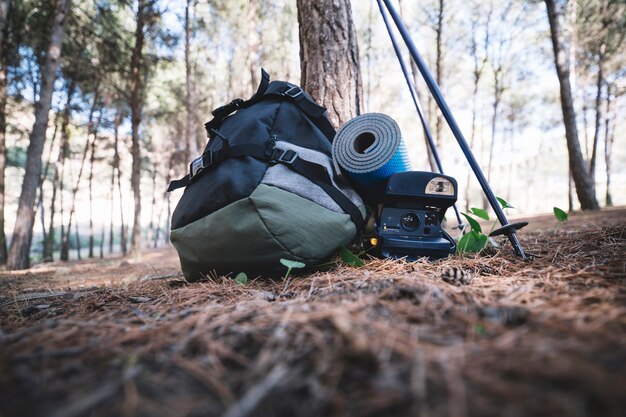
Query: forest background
140, 78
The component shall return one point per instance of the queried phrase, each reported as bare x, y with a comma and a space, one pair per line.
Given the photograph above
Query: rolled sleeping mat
368, 149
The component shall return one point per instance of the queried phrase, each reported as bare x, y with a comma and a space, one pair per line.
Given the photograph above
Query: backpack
264, 188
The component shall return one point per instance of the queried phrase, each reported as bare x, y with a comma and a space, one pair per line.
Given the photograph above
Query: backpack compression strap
314, 112
314, 172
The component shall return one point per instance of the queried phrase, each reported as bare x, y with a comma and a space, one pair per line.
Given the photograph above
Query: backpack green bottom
261, 229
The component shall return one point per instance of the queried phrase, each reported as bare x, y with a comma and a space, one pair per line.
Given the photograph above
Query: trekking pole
416, 102
507, 228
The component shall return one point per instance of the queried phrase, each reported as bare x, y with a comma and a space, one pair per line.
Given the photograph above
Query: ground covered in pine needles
511, 338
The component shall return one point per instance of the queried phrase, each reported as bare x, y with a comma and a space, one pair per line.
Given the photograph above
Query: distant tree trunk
92, 160
152, 203
116, 125
497, 97
416, 79
46, 257
254, 42
5, 8
116, 165
136, 101
78, 246
598, 112
329, 57
57, 182
65, 239
479, 67
102, 228
18, 257
190, 130
609, 137
439, 65
570, 190
586, 129
585, 188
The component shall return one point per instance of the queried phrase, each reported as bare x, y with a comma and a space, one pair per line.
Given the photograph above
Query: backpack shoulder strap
314, 172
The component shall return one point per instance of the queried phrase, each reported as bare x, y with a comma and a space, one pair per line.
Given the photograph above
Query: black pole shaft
456, 131
416, 102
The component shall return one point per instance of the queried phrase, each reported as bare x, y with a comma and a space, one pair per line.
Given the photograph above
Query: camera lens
410, 221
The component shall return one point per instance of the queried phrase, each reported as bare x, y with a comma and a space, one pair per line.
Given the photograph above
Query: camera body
414, 205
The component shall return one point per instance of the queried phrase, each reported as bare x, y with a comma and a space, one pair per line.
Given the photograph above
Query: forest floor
115, 337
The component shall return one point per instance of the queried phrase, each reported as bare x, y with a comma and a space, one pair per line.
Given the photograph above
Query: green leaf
461, 246
560, 214
504, 203
351, 259
472, 242
292, 264
241, 278
473, 223
480, 213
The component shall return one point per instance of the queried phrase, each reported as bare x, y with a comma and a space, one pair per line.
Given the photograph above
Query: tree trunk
136, 98
92, 160
57, 182
152, 203
116, 162
77, 237
439, 66
254, 42
5, 8
430, 157
329, 57
609, 137
598, 112
18, 257
65, 238
585, 188
190, 130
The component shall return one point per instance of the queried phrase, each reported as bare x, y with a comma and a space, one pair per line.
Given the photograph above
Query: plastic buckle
199, 163
293, 91
288, 157
276, 156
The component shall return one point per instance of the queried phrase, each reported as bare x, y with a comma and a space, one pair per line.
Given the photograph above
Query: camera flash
439, 185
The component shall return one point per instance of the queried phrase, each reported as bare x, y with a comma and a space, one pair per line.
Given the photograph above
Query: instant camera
414, 205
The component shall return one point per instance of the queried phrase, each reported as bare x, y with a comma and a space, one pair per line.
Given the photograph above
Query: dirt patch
512, 337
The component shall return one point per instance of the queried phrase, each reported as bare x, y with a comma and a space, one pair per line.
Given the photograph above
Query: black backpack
264, 189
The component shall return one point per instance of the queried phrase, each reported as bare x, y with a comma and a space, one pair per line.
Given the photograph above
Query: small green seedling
560, 215
291, 265
476, 240
241, 278
350, 258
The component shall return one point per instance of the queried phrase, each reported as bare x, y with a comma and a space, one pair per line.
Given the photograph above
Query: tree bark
598, 112
254, 42
5, 8
439, 66
190, 130
585, 188
329, 57
92, 160
136, 101
609, 137
19, 252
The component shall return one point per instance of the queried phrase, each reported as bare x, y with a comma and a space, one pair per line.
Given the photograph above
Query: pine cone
456, 276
